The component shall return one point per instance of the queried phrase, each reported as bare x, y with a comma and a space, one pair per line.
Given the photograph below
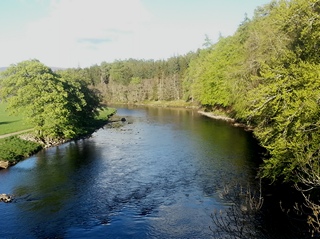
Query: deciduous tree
56, 105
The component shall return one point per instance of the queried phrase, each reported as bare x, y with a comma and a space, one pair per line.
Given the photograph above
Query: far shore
189, 105
227, 119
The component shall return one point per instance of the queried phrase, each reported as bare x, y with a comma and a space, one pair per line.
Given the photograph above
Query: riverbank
17, 146
232, 121
217, 115
166, 104
13, 149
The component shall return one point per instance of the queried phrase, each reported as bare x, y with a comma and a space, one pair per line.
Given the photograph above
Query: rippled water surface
158, 176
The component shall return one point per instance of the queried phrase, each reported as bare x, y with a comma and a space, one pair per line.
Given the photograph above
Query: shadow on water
48, 194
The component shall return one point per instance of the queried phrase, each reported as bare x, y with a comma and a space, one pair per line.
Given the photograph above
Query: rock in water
5, 198
4, 164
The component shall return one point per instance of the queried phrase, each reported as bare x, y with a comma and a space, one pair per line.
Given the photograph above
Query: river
163, 174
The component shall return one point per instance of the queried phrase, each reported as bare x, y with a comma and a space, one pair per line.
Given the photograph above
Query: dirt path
15, 133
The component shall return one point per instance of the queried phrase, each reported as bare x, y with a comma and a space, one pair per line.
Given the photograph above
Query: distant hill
3, 68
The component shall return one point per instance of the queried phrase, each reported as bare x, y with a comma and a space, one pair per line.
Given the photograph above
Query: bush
14, 149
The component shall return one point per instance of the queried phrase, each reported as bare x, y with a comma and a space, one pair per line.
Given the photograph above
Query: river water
163, 174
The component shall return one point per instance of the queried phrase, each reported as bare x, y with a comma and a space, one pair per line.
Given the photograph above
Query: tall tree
56, 106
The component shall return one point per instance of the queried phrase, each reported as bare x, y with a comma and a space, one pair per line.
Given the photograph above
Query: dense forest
267, 75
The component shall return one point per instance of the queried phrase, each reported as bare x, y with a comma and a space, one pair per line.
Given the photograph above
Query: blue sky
72, 33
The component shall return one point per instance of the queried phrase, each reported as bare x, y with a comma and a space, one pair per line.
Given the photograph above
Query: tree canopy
57, 105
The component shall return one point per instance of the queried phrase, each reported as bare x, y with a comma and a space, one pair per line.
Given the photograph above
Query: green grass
10, 123
14, 149
105, 113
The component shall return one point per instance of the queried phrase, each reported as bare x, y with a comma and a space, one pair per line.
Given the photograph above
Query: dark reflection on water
159, 177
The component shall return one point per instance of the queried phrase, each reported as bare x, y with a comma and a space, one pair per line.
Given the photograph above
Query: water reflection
159, 177
46, 194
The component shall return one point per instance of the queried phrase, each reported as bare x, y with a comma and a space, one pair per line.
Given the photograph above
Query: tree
207, 42
94, 73
286, 112
57, 106
301, 20
120, 72
212, 84
82, 100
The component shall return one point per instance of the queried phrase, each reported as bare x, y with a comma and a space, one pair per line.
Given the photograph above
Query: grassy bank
13, 149
10, 123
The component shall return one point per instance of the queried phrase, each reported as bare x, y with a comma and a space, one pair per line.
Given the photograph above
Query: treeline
267, 75
134, 81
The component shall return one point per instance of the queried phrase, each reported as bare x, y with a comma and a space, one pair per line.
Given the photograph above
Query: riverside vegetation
55, 107
15, 148
266, 75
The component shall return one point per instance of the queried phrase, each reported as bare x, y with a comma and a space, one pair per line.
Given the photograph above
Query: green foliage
14, 149
105, 72
82, 101
301, 20
120, 73
212, 84
287, 116
131, 81
268, 74
135, 80
57, 106
284, 101
94, 74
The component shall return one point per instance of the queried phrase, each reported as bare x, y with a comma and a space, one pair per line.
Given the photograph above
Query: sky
82, 33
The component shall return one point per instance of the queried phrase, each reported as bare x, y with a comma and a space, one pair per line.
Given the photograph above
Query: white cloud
86, 32
83, 32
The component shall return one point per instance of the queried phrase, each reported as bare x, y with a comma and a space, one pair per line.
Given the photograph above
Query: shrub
14, 149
